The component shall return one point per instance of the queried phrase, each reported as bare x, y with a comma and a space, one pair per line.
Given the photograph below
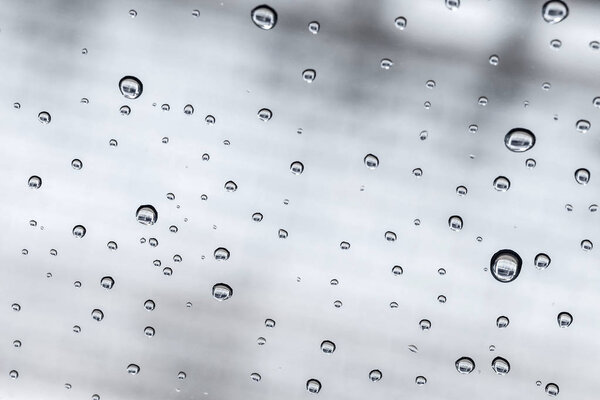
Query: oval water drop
146, 215
542, 261
314, 27
500, 366
371, 161
465, 365
222, 291
375, 375
79, 231
133, 369
501, 184
149, 305
34, 182
554, 11
107, 282
44, 117
425, 324
297, 168
400, 23
390, 236
221, 254
582, 176
97, 315
564, 319
519, 140
309, 75
420, 380
313, 386
230, 186
551, 389
264, 17
505, 265
583, 126
455, 223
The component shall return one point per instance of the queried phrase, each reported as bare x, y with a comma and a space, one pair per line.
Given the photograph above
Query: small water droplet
344, 245
423, 135
264, 17
257, 217
255, 377
393, 304
494, 59
554, 11
582, 176
261, 341
552, 389
313, 386
17, 105
564, 319
538, 383
125, 110
77, 284
400, 23
297, 168
594, 45
84, 51
519, 140
542, 261
413, 348
418, 172
334, 282
97, 315
79, 231
133, 369
309, 75
500, 366
555, 44
420, 380
210, 120
44, 117
505, 265
76, 164
222, 291
282, 234
16, 307
188, 109
482, 101
195, 13
34, 182
337, 304
386, 63
132, 13
149, 331
461, 190
112, 245
441, 298
455, 222
173, 229
530, 163
84, 100
427, 106
465, 365
425, 324
596, 102
390, 236
397, 270
221, 254
583, 126
146, 215
371, 161
131, 87
593, 208
107, 282
153, 242
113, 143
14, 374
149, 305
270, 323
375, 375
327, 347
314, 27
501, 184
165, 107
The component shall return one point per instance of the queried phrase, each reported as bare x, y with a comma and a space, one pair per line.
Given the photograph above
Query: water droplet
519, 140
113, 143
452, 5
386, 63
149, 305
210, 120
564, 319
76, 329
188, 109
297, 168
131, 87
542, 261
79, 231
461, 191
170, 196
165, 107
16, 307
132, 13
125, 110
165, 140
482, 101
371, 161
133, 369
14, 374
420, 380
425, 324
17, 343
427, 106
149, 331
97, 315
418, 172
465, 365
337, 304
282, 233
344, 245
68, 386
204, 197
546, 86
530, 163
107, 282
500, 366
153, 242
375, 375
442, 271
334, 282
17, 105
327, 347
441, 298
313, 386
77, 284
309, 75
84, 100
270, 323
84, 51
397, 270
494, 59
501, 184
146, 215
552, 389
455, 222
582, 176
393, 304
222, 292
34, 182
76, 164
221, 254
196, 13
173, 229
264, 17
390, 236
400, 23
555, 44
24, 252
423, 135
583, 126
554, 11
261, 341
505, 266
255, 377
44, 117
314, 27
538, 383
586, 245
596, 102
413, 348
257, 217
593, 208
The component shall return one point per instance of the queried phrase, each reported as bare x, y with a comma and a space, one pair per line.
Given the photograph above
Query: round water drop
84, 51
482, 101
425, 324
133, 369
492, 348
564, 319
313, 386
344, 245
390, 236
195, 13
14, 374
264, 114
34, 182
552, 389
149, 305
131, 87
257, 217
188, 109
442, 271
386, 63
494, 59
97, 315
76, 164
519, 140
205, 157
582, 176
423, 135
255, 377
594, 45
297, 168
337, 304
173, 229
441, 298
452, 5
397, 270
327, 347
282, 234
309, 75
461, 190
79, 231
222, 291
210, 120
17, 105
569, 207
221, 254
501, 184
314, 27
505, 266
112, 245
473, 128
149, 331
400, 23
542, 261
264, 17
583, 126
393, 304
270, 323
371, 161
334, 282
500, 366
554, 11
77, 284
430, 84
530, 163
427, 106
261, 341
420, 380
465, 365
586, 245
375, 375
165, 107
76, 329
455, 223
153, 242
132, 13
555, 44
44, 117
596, 102
113, 143
418, 172
593, 208
146, 215
16, 307
84, 100
125, 110
107, 282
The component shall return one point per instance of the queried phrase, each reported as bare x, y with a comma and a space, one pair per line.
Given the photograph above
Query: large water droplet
313, 386
455, 223
582, 176
371, 161
297, 168
519, 140
264, 17
146, 215
452, 5
133, 369
314, 27
500, 366
505, 266
222, 292
400, 23
131, 87
583, 126
542, 261
107, 282
34, 182
425, 324
97, 315
221, 254
554, 11
564, 319
465, 365
375, 375
79, 231
327, 347
552, 389
501, 184
149, 305
44, 117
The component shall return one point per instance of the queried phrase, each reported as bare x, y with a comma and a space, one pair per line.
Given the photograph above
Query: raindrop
309, 75
84, 51
35, 182
261, 341
427, 106
125, 110
173, 229
455, 222
555, 44
77, 284
452, 5
222, 292
264, 17
107, 282
297, 168
33, 223
593, 208
17, 105
113, 143
131, 87
425, 324
313, 386
153, 242
97, 315
132, 13
400, 23
582, 176
421, 380
505, 266
76, 164
371, 161
441, 298
133, 369
530, 163
542, 261
423, 135
165, 107
500, 366
149, 305
84, 100
413, 348
282, 233
393, 304
146, 215
552, 389
165, 140
230, 186
337, 304
596, 102
344, 245
188, 109
583, 126
569, 207
397, 270
221, 254
554, 11
196, 13
564, 319
334, 282
79, 231
418, 172
386, 63
205, 157
270, 323
210, 120
68, 386
149, 331
257, 217
465, 365
390, 236
501, 184
375, 375
494, 60
442, 271
492, 348
461, 191
76, 328
327, 347
16, 307
519, 140
14, 374
44, 117
314, 27
255, 377
482, 101
587, 245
